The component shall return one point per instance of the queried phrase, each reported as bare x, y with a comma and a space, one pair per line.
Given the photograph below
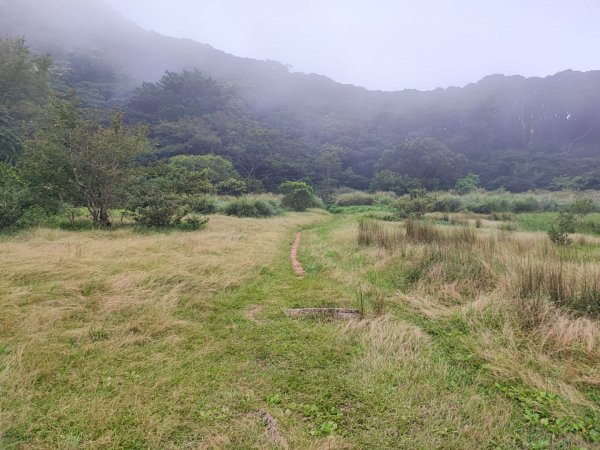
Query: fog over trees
513, 132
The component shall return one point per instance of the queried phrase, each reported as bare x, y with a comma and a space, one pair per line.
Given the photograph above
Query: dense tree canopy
190, 114
23, 88
513, 132
426, 159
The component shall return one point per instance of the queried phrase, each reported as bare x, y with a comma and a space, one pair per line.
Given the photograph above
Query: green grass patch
358, 209
543, 221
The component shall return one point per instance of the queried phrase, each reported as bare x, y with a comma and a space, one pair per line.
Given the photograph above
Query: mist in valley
277, 224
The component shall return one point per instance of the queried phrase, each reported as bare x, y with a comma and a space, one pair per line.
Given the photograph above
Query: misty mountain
515, 132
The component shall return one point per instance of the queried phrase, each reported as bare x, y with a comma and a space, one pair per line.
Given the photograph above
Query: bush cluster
252, 208
164, 210
298, 196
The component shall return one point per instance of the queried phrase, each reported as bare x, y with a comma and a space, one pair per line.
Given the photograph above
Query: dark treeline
273, 125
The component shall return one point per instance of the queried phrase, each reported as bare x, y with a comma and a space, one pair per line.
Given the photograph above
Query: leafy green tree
75, 158
24, 88
467, 184
178, 95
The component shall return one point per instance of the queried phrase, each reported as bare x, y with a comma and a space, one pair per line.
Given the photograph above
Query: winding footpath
294, 256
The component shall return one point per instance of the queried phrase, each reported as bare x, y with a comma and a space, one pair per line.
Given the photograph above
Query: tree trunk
104, 219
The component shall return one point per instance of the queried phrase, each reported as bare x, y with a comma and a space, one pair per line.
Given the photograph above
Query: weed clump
417, 231
252, 208
373, 233
566, 286
560, 230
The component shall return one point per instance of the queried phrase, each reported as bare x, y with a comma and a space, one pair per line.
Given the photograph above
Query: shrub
487, 205
297, 195
355, 199
266, 208
158, 210
317, 202
564, 225
194, 222
559, 237
416, 204
241, 208
251, 208
202, 204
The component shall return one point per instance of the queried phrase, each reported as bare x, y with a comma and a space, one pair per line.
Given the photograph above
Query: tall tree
72, 156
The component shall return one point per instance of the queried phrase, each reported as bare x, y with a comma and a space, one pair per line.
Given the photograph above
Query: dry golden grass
176, 340
451, 277
103, 320
123, 270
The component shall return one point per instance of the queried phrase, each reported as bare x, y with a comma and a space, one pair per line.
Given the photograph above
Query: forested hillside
515, 133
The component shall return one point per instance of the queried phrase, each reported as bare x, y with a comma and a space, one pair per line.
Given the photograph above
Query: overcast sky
390, 44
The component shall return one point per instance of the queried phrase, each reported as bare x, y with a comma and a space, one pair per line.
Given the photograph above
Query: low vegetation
471, 335
252, 208
356, 198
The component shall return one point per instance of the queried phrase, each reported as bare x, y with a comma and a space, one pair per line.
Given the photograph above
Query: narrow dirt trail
294, 257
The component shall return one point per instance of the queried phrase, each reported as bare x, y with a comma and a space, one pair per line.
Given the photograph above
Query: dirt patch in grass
294, 256
253, 311
272, 429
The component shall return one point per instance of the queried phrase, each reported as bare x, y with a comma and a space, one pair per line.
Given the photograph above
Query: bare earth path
294, 256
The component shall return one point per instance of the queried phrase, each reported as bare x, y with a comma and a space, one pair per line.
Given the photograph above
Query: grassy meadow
477, 332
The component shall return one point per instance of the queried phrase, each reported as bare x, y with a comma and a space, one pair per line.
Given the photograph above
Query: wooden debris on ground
335, 313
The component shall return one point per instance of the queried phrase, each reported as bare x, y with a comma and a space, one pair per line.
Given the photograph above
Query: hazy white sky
390, 44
